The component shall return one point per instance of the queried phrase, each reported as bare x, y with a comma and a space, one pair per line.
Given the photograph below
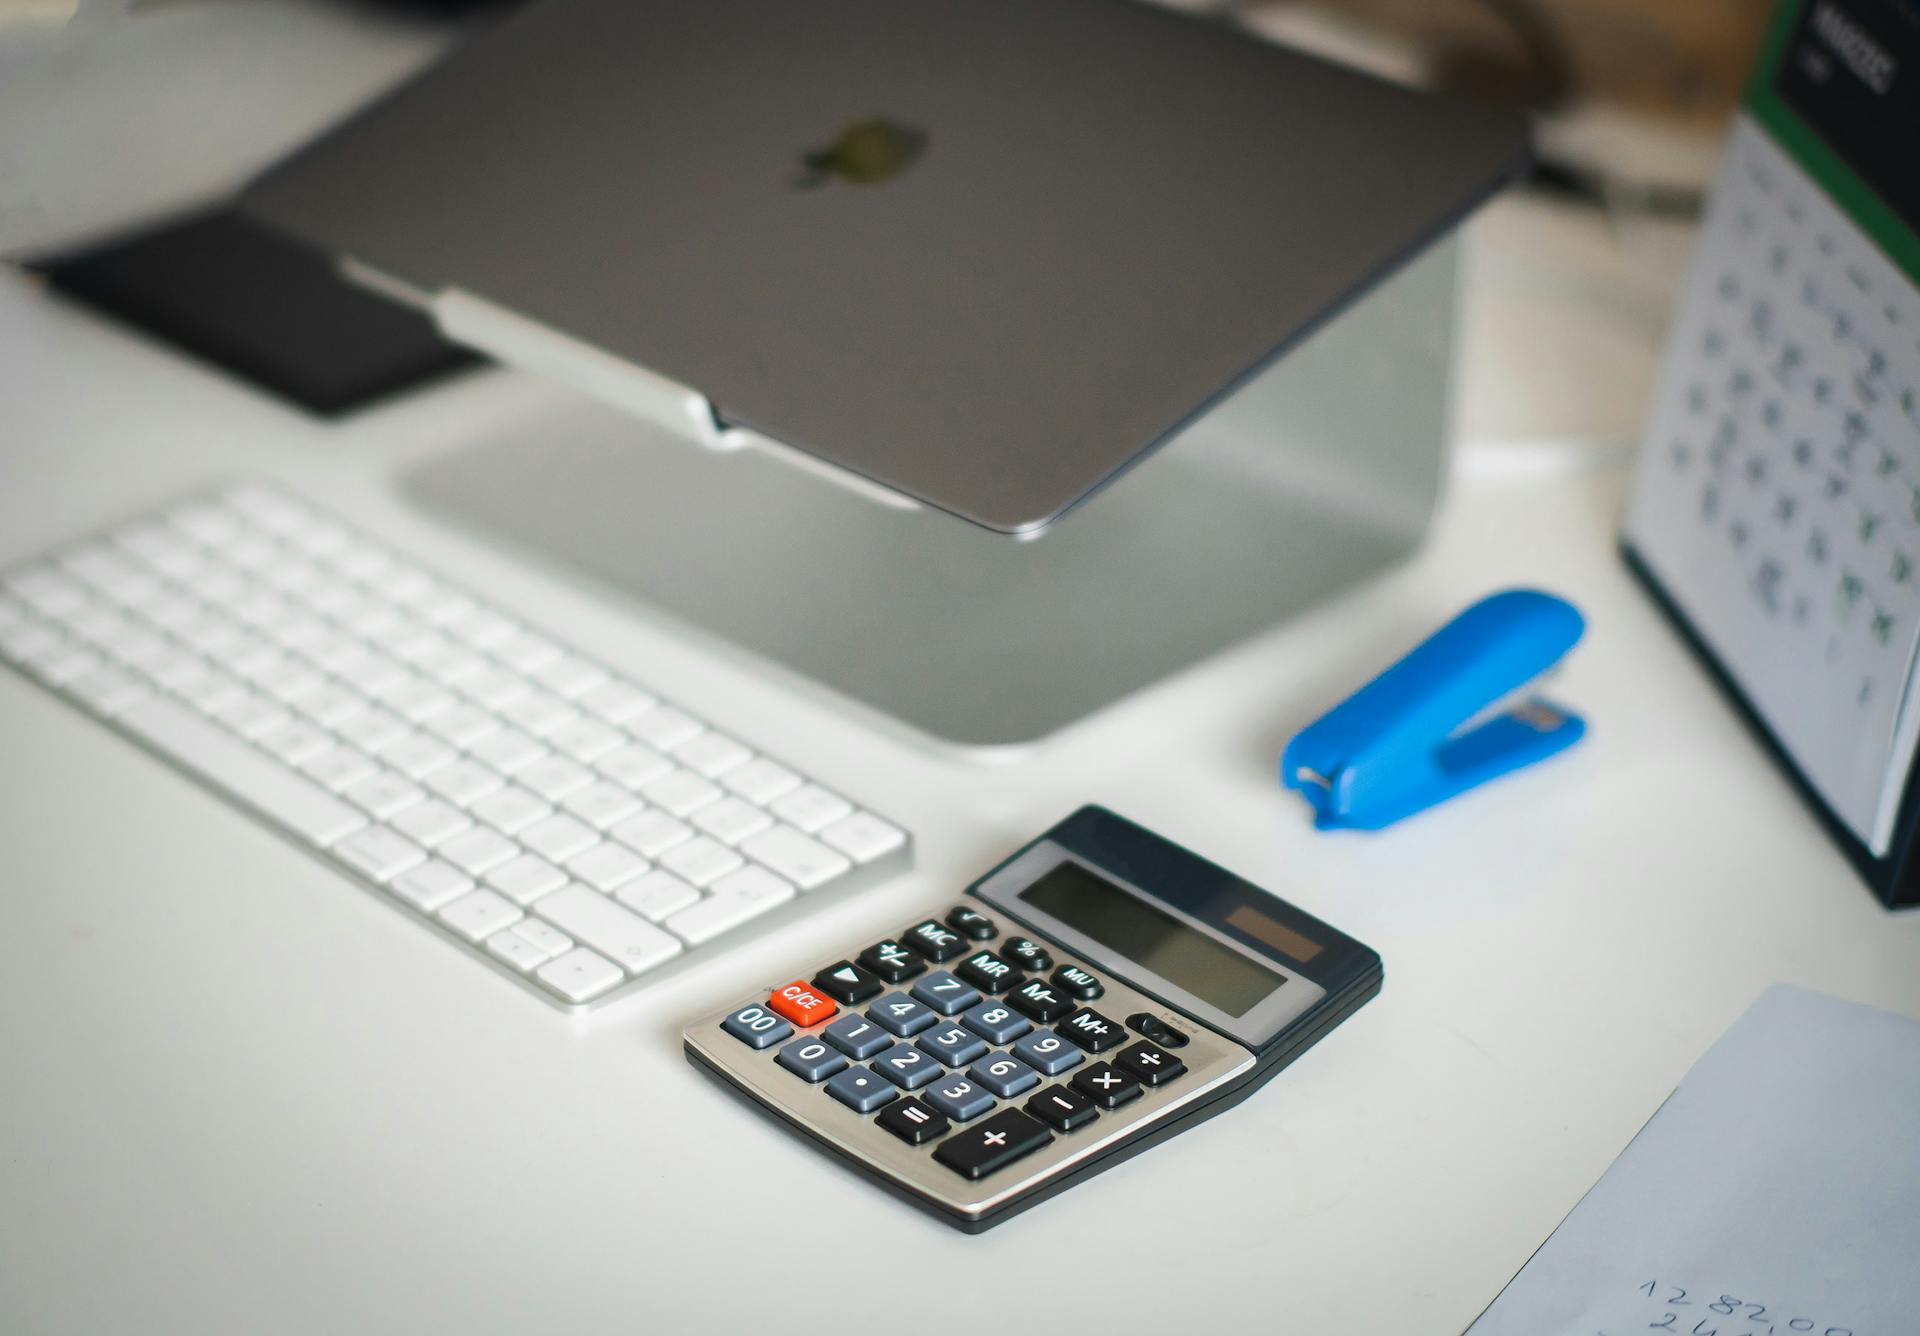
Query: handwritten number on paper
1726, 1304
1667, 1325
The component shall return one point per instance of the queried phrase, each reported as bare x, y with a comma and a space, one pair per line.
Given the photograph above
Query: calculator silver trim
1212, 1061
1257, 1028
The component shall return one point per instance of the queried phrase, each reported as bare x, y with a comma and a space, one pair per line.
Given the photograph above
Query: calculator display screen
1213, 972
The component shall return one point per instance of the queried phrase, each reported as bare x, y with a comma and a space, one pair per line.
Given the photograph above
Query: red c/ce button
801, 1005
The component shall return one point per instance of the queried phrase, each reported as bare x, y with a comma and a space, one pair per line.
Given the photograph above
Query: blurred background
116, 112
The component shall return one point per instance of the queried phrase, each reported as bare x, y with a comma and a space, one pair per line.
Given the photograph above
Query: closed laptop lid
986, 253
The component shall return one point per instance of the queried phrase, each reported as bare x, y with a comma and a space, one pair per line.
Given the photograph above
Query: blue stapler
1420, 732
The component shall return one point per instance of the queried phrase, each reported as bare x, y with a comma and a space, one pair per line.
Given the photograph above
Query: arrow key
846, 983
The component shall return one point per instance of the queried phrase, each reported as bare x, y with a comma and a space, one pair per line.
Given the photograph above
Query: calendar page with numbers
1777, 501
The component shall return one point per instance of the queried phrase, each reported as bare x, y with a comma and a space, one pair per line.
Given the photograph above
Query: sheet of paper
1777, 1191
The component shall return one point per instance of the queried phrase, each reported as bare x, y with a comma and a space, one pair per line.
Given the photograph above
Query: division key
992, 1144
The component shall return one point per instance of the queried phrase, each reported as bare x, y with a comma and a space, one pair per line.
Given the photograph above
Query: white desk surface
242, 1095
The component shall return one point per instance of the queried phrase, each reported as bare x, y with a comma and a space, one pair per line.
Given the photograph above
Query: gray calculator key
902, 1015
1004, 1074
860, 1090
907, 1067
857, 1036
958, 1098
996, 1022
953, 1045
946, 992
756, 1026
1045, 1051
811, 1060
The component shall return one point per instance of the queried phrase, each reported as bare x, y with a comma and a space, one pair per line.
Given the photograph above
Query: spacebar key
248, 775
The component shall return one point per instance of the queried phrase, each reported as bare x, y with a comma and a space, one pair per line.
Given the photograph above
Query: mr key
994, 1054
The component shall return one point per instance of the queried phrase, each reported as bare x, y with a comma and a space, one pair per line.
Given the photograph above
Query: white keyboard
559, 821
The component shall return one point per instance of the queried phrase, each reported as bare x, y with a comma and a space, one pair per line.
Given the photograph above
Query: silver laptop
984, 253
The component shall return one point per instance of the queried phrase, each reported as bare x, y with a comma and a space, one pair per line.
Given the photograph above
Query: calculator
1096, 993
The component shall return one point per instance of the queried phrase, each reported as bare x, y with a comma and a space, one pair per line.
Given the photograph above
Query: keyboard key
464, 783
891, 961
863, 837
623, 936
585, 740
1027, 954
571, 677
907, 1067
995, 1022
1063, 1108
731, 820
954, 1045
971, 923
1150, 1064
479, 914
554, 777
857, 1036
902, 1015
847, 983
1040, 1000
579, 975
508, 751
477, 851
809, 808
1047, 1052
945, 993
651, 833
379, 853
1092, 1031
799, 1003
526, 878
700, 861
680, 792
656, 894
603, 805
1076, 982
913, 1122
543, 935
663, 727
510, 810
935, 941
559, 837
993, 1144
761, 781
756, 1026
516, 950
633, 766
431, 885
432, 823
811, 1060
385, 795
607, 866
711, 754
960, 1099
988, 972
1004, 1074
860, 1090
616, 701
800, 859
731, 901
340, 768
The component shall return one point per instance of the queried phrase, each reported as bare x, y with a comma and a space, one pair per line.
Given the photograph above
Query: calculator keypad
982, 1056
